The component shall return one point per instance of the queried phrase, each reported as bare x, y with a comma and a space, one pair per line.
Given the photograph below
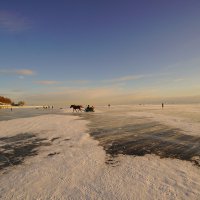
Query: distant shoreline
10, 106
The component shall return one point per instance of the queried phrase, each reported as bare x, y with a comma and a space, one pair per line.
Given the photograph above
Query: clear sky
100, 52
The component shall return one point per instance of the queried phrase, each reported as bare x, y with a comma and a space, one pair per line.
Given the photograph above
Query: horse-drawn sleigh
78, 108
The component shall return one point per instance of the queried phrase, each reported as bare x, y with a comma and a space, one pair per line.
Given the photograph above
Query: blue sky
99, 52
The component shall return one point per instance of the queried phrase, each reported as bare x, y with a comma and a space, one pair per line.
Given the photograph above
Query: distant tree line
20, 103
6, 100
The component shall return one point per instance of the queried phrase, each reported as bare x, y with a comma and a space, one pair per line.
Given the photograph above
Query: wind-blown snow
185, 117
73, 167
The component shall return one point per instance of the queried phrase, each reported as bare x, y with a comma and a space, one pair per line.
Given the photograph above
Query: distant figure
162, 105
52, 107
89, 109
108, 105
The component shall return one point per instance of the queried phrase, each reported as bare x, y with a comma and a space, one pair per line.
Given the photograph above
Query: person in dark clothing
89, 109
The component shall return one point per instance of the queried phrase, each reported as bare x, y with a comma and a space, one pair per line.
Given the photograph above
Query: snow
184, 117
77, 168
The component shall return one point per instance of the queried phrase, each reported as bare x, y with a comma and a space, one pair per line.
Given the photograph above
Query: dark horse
76, 107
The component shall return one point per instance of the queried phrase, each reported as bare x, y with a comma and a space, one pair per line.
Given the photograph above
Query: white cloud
179, 80
127, 78
103, 95
47, 82
21, 77
22, 72
54, 82
13, 22
79, 82
25, 72
99, 95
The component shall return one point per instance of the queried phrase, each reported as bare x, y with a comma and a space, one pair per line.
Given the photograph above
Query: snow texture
71, 165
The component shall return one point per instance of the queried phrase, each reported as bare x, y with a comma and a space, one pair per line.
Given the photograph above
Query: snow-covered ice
73, 165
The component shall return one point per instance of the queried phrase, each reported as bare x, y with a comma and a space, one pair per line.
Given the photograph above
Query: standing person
108, 105
162, 105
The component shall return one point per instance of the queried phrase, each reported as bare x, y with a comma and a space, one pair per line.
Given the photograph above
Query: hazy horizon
90, 52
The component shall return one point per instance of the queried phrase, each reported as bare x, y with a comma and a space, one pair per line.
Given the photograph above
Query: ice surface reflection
119, 133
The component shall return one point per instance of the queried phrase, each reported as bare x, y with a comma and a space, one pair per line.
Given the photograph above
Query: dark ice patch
53, 154
15, 149
122, 134
55, 138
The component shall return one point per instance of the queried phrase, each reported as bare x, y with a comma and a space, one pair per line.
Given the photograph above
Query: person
89, 109
108, 105
162, 105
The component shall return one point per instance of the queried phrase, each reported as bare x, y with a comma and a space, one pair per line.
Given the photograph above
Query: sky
99, 52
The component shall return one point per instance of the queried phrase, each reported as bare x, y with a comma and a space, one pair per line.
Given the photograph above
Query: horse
76, 107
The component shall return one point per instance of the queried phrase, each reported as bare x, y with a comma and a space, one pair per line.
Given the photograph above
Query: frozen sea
7, 114
121, 152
